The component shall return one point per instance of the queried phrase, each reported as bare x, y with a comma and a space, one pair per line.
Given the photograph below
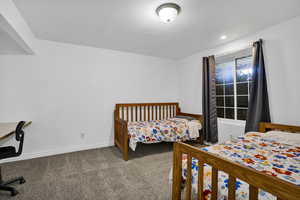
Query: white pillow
283, 137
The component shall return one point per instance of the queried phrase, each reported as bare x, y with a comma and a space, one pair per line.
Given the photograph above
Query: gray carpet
95, 175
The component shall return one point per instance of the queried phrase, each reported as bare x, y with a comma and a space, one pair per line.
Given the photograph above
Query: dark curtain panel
209, 105
258, 109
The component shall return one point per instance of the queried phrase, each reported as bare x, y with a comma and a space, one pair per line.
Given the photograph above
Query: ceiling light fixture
168, 12
223, 37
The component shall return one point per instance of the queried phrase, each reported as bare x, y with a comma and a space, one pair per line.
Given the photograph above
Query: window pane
229, 113
229, 89
228, 72
220, 89
242, 88
220, 112
229, 101
220, 101
219, 74
242, 101
243, 69
242, 114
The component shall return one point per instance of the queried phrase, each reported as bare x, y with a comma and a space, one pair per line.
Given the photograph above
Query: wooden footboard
264, 127
121, 137
281, 189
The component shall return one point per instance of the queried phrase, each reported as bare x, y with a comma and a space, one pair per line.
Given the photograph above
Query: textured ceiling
132, 25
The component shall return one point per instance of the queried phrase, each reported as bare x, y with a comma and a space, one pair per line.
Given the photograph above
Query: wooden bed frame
281, 189
125, 113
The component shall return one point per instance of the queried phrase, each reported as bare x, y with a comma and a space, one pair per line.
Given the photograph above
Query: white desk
7, 129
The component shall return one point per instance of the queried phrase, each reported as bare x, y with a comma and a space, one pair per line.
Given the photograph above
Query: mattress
170, 130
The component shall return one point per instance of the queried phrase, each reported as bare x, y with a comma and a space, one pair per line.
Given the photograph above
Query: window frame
235, 95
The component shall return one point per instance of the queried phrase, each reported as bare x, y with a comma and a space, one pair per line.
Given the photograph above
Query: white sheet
194, 126
282, 137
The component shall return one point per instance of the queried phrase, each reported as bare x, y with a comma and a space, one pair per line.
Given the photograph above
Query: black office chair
9, 152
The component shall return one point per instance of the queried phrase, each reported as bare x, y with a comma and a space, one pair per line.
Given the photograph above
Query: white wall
281, 48
67, 90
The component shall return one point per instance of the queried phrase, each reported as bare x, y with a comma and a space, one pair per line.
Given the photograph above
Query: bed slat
166, 112
152, 112
136, 119
160, 111
253, 193
140, 113
200, 180
188, 191
231, 187
132, 113
214, 184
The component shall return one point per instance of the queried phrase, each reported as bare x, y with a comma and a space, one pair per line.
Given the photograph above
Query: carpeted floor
95, 175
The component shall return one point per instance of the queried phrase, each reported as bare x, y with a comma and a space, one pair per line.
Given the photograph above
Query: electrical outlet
82, 135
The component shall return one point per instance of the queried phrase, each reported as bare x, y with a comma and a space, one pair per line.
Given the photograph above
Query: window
233, 81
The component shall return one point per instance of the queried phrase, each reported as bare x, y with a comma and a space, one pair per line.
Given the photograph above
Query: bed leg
177, 171
126, 144
125, 154
200, 139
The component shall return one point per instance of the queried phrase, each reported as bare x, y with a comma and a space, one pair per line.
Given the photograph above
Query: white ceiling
132, 25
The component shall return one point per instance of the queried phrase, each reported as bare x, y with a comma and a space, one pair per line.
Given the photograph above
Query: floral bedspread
170, 130
254, 151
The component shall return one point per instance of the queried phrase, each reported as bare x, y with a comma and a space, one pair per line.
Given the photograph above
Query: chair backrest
20, 136
146, 111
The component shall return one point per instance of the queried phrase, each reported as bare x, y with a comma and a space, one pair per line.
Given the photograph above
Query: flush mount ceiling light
223, 37
168, 12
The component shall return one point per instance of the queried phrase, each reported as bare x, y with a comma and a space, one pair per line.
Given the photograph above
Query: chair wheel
22, 181
14, 193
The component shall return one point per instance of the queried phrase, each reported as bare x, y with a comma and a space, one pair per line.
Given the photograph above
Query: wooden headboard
146, 111
264, 127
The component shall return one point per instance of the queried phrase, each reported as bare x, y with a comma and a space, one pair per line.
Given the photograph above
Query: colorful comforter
254, 151
171, 130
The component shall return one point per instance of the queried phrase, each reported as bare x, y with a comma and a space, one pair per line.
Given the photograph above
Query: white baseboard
51, 152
